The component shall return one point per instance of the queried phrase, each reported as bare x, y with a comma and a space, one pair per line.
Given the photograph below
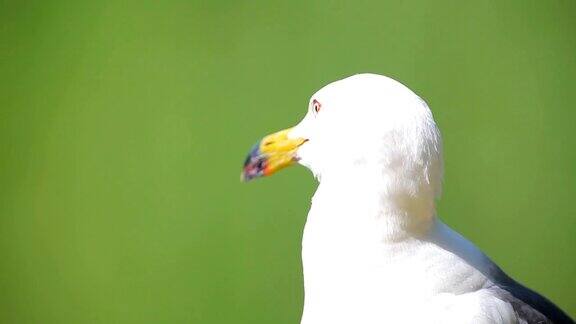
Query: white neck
357, 239
359, 198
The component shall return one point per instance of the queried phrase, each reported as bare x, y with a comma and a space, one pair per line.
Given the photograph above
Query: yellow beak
274, 152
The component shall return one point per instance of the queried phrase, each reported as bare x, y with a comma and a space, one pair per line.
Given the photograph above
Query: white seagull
374, 249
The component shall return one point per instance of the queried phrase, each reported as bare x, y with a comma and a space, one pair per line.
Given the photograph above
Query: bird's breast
347, 267
344, 258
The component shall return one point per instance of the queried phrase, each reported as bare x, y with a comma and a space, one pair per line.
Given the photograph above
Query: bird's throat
377, 213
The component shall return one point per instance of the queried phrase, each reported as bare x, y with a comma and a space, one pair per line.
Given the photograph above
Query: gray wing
529, 306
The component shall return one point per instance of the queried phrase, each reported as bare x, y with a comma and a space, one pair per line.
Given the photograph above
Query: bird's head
365, 125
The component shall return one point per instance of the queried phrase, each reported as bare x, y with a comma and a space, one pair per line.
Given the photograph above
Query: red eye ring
316, 105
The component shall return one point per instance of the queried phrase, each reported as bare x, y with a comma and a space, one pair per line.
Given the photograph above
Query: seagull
373, 248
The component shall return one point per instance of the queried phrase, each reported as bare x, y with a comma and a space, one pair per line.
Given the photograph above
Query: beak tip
253, 165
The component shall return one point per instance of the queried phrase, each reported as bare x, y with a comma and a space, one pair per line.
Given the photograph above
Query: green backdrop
124, 124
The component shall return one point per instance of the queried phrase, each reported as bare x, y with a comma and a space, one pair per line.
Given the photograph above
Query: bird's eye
316, 106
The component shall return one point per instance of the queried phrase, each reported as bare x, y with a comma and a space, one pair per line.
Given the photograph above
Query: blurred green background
124, 124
